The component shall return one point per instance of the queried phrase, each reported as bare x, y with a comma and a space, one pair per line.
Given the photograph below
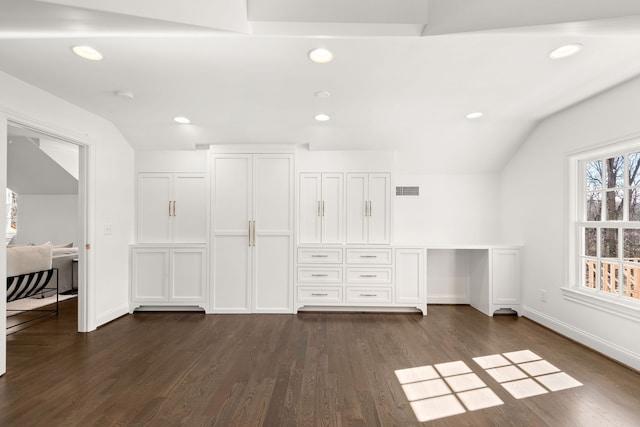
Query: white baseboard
611, 350
448, 299
112, 315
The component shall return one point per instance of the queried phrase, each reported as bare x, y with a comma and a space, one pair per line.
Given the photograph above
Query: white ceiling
404, 76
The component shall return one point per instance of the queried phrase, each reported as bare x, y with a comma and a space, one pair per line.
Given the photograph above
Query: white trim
112, 315
608, 303
448, 299
607, 348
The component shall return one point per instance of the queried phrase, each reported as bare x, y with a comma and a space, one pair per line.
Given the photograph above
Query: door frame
86, 297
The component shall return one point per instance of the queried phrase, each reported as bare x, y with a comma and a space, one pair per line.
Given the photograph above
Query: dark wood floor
308, 369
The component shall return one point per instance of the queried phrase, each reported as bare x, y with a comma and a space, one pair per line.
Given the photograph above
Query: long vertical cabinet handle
366, 211
323, 208
174, 208
169, 207
254, 233
249, 233
369, 207
318, 208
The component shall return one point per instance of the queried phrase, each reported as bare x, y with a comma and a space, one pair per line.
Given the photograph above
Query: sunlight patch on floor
452, 388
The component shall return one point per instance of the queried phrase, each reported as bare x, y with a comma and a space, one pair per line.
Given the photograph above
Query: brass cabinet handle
318, 208
368, 275
174, 208
368, 295
369, 207
319, 295
319, 256
249, 233
169, 207
319, 275
365, 208
323, 208
254, 233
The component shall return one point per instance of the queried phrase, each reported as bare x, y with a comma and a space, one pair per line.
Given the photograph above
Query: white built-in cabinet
361, 276
252, 233
163, 276
172, 207
368, 208
495, 280
320, 208
169, 262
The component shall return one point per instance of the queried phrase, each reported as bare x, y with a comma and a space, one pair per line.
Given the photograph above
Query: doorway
47, 175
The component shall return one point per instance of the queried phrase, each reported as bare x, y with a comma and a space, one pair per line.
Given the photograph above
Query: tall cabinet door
154, 208
357, 198
190, 208
331, 208
232, 259
379, 211
310, 208
273, 227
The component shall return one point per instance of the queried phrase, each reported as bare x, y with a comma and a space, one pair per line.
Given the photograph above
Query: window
607, 225
12, 215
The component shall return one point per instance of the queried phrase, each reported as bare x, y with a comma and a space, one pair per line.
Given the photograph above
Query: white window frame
616, 304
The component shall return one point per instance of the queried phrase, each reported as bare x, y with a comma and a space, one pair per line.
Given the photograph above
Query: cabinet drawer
319, 275
370, 275
368, 256
319, 255
307, 293
369, 294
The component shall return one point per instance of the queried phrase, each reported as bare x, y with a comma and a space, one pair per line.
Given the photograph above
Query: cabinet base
363, 309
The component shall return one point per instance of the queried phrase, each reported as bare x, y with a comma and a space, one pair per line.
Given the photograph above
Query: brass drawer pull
319, 295
368, 295
319, 256
319, 275
368, 275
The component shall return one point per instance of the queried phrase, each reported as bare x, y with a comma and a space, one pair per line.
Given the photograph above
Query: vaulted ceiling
404, 75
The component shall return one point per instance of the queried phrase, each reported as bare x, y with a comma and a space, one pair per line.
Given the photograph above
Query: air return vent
407, 191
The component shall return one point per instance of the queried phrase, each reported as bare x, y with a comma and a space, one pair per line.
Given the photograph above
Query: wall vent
407, 191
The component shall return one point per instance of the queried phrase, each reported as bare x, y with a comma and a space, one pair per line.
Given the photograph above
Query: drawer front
319, 255
370, 275
368, 295
368, 256
319, 275
313, 294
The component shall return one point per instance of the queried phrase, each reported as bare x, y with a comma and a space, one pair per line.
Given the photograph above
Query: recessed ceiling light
565, 51
323, 94
320, 55
181, 120
87, 52
474, 115
322, 117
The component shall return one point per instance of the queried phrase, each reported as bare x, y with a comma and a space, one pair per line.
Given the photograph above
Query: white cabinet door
332, 208
505, 287
253, 233
172, 208
232, 180
190, 208
379, 210
154, 208
149, 275
357, 208
320, 208
410, 275
273, 231
309, 208
368, 208
188, 274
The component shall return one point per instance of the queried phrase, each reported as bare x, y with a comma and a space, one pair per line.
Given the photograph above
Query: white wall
110, 187
43, 218
533, 210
